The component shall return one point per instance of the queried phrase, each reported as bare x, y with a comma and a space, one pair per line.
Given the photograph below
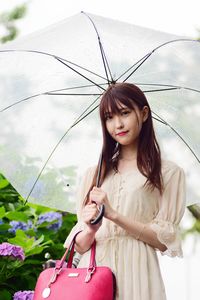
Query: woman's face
125, 126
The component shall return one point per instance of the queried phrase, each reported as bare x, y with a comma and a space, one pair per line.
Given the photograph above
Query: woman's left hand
100, 197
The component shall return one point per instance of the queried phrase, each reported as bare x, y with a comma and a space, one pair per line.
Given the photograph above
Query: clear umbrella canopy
50, 87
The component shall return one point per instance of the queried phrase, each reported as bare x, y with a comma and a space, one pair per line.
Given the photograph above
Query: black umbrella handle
100, 215
101, 207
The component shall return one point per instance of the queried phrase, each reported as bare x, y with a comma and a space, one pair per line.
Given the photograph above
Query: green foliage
9, 19
37, 239
195, 228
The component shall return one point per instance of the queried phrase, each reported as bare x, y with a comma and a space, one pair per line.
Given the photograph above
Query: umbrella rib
78, 120
20, 101
168, 85
161, 90
158, 120
174, 41
143, 59
96, 84
48, 93
105, 62
103, 55
85, 69
54, 56
71, 94
76, 87
172, 88
178, 134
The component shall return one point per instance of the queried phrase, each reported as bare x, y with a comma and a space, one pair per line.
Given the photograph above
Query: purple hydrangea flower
20, 225
7, 249
23, 295
1, 221
50, 217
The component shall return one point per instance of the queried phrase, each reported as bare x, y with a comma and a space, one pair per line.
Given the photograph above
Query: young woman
144, 198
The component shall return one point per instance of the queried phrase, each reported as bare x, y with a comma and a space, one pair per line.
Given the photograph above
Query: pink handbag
62, 283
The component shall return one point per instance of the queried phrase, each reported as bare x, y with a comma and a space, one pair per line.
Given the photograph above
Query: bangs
113, 105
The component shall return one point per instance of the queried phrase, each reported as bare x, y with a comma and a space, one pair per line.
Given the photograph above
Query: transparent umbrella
51, 84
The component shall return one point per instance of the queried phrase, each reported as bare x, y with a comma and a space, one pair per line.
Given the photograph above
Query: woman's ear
145, 113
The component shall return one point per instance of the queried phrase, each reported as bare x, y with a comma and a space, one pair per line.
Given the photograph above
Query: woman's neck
128, 153
127, 160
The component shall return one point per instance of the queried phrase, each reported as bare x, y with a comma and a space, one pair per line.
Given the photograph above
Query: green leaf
4, 227
2, 212
30, 245
34, 251
5, 295
32, 261
22, 240
3, 183
17, 13
17, 216
38, 241
39, 209
30, 232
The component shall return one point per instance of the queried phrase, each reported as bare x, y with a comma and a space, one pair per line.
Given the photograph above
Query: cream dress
135, 263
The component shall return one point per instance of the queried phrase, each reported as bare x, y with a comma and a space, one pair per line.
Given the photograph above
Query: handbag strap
93, 255
70, 250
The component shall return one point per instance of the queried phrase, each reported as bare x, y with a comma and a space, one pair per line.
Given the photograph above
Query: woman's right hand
89, 213
86, 237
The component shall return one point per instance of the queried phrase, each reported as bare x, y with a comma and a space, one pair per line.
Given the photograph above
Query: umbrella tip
112, 82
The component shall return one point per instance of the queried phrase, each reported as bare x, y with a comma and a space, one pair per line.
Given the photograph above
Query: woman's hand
89, 213
98, 196
86, 237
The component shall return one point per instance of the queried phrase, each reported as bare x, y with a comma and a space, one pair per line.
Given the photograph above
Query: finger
90, 215
93, 197
94, 193
96, 189
91, 208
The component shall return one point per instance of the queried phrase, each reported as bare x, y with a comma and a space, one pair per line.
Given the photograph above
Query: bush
39, 231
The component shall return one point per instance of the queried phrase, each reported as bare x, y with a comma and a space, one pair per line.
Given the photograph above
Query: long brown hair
149, 156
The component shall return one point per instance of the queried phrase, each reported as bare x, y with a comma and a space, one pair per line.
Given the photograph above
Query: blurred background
19, 18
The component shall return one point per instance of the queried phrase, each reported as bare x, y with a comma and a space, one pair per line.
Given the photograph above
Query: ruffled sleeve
81, 194
171, 210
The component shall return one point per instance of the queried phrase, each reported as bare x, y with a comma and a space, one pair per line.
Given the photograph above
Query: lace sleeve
172, 207
169, 235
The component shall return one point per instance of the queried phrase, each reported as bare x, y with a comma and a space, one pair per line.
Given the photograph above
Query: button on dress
135, 263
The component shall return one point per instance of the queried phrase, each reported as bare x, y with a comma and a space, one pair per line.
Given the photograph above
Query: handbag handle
70, 250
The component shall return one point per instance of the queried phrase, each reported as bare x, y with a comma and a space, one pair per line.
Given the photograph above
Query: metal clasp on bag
89, 274
55, 275
47, 291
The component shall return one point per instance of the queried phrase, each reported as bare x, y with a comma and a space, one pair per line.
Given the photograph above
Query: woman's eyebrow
120, 109
123, 108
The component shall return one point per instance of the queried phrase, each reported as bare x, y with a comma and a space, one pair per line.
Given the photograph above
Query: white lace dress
134, 262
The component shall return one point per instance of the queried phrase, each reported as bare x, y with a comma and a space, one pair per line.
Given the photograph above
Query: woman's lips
122, 133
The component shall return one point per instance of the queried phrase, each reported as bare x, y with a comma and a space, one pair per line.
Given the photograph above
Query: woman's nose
118, 122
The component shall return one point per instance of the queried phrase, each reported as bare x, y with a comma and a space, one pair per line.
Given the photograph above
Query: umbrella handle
100, 215
101, 207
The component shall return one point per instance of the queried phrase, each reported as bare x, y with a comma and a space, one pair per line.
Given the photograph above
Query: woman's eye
125, 112
108, 117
